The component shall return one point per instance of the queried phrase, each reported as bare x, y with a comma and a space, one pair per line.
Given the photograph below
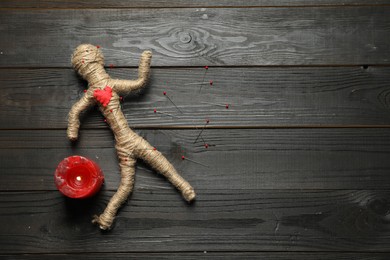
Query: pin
215, 104
185, 158
211, 82
198, 83
111, 66
204, 75
201, 131
98, 46
155, 111
165, 94
85, 90
206, 145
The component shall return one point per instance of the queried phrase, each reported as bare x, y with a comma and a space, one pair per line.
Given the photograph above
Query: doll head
85, 57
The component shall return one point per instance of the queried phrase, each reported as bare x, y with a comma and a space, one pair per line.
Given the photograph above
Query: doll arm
123, 87
74, 114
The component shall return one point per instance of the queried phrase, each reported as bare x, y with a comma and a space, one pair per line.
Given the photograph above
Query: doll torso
109, 104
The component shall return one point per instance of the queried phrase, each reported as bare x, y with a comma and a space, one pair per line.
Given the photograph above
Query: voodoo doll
88, 61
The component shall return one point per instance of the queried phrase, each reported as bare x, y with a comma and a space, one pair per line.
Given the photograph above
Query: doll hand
147, 54
72, 135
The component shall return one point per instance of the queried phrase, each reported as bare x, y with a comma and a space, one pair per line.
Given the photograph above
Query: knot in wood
185, 37
185, 43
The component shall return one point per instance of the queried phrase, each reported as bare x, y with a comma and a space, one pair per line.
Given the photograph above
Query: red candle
78, 177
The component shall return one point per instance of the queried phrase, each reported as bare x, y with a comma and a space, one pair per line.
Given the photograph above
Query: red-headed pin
185, 158
204, 75
201, 131
220, 105
165, 94
158, 112
206, 145
197, 83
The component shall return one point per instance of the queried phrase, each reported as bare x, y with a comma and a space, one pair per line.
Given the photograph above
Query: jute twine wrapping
88, 61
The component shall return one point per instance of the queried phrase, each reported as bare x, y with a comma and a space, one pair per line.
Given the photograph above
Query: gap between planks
235, 252
196, 127
200, 190
362, 66
189, 7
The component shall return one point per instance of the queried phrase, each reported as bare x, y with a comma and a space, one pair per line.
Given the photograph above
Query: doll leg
106, 219
158, 162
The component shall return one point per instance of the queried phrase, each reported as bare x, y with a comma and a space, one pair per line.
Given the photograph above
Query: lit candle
78, 177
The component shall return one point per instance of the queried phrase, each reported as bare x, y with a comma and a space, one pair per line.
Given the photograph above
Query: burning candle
78, 177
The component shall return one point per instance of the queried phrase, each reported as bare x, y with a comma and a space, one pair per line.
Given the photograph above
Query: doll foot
189, 194
147, 53
103, 224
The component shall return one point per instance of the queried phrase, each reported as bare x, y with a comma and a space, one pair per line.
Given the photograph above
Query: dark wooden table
298, 165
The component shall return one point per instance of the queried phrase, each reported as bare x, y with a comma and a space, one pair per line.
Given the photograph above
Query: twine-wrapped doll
88, 61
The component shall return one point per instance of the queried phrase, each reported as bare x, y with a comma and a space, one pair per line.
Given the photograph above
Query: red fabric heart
103, 96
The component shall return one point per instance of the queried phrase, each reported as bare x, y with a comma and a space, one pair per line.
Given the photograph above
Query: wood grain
326, 96
297, 166
236, 159
208, 255
224, 220
178, 3
197, 37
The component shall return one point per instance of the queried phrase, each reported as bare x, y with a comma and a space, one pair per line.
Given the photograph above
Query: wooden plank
223, 220
208, 255
178, 3
236, 159
198, 37
326, 96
